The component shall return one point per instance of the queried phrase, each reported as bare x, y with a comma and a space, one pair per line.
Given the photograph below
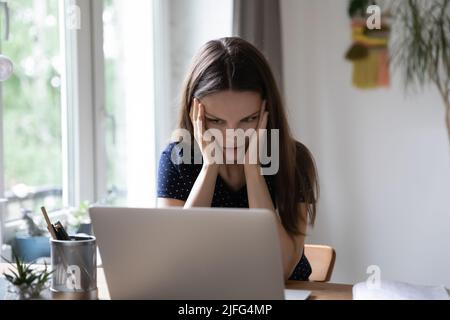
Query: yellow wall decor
369, 55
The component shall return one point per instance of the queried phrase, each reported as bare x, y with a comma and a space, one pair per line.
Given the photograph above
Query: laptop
190, 254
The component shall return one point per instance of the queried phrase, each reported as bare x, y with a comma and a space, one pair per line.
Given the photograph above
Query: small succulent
27, 281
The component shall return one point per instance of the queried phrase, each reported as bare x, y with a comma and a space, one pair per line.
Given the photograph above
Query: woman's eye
251, 119
215, 121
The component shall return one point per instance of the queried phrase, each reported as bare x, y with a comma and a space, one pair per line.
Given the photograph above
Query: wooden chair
321, 259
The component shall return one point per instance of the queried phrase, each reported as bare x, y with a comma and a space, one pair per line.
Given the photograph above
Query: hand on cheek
252, 155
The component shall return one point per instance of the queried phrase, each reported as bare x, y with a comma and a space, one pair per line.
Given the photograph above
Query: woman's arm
201, 193
203, 190
259, 197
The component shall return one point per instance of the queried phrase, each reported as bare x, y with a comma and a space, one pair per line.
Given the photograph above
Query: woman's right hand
198, 119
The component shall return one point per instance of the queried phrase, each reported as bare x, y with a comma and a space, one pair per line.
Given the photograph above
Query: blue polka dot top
176, 179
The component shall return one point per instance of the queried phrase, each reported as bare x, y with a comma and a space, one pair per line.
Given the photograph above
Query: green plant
82, 212
421, 45
79, 215
26, 279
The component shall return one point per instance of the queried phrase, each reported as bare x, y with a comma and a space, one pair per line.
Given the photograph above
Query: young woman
231, 86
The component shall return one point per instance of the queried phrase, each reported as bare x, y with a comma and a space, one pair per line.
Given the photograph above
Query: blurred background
94, 97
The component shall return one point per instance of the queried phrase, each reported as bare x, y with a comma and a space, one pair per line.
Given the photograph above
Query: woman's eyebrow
211, 116
253, 114
217, 118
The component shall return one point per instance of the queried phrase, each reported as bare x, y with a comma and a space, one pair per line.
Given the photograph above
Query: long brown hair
234, 64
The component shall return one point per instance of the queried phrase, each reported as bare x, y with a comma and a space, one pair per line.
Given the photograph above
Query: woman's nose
231, 126
238, 126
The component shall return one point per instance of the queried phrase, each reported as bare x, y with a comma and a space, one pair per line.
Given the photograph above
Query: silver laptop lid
201, 253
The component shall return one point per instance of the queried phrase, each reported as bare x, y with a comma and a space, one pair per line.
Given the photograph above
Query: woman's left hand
257, 139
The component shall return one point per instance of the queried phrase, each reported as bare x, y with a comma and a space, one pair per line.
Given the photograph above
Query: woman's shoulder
171, 147
176, 151
179, 155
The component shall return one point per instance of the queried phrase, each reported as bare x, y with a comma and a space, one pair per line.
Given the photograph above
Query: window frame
77, 113
2, 176
161, 62
83, 110
78, 98
85, 151
2, 181
8, 227
161, 118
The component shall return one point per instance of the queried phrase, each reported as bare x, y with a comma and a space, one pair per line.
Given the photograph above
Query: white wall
383, 156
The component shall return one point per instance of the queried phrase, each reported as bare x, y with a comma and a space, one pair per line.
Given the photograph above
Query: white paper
396, 290
292, 294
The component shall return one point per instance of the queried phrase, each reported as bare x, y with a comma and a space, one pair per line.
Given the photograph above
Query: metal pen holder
74, 265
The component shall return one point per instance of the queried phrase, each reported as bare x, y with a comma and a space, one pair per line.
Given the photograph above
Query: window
129, 104
83, 116
147, 49
31, 101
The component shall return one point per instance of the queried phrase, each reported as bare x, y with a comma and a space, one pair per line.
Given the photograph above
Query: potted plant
78, 219
421, 46
33, 243
26, 281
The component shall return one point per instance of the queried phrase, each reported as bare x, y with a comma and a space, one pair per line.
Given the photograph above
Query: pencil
49, 224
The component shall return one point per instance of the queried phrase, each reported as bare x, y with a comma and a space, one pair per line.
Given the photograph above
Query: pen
50, 227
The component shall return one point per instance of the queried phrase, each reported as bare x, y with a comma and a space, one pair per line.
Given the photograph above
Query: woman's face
232, 110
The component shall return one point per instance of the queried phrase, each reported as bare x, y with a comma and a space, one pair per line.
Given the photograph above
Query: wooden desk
320, 291
323, 290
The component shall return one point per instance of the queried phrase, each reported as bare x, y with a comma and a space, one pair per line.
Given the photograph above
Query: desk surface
323, 290
320, 291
